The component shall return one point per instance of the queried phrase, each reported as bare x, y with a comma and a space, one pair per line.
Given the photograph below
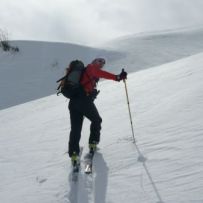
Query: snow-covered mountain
31, 74
167, 107
145, 50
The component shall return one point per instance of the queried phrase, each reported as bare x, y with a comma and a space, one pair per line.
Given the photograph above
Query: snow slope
32, 73
145, 50
167, 108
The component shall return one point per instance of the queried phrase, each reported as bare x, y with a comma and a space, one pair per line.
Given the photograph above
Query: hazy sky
94, 21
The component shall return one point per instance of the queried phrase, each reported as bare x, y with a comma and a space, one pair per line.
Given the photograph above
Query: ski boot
75, 162
93, 147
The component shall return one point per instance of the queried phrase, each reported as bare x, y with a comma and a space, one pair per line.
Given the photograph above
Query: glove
121, 76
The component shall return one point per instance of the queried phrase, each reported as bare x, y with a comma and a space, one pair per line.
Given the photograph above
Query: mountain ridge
31, 73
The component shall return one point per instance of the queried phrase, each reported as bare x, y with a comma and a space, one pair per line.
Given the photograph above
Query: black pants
80, 108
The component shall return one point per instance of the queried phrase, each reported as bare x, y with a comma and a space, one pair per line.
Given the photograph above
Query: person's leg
76, 119
92, 114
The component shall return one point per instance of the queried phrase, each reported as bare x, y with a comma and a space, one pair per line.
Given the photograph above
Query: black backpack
70, 85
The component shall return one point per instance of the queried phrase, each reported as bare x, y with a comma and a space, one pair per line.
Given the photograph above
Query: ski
76, 168
88, 162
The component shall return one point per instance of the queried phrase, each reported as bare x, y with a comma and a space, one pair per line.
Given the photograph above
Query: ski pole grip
122, 72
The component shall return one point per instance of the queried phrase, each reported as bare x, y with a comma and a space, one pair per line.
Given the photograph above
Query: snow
31, 73
167, 107
146, 50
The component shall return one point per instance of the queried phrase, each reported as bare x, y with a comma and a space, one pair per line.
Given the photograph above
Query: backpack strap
62, 79
66, 75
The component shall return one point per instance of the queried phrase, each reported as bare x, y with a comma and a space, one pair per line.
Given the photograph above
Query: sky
91, 22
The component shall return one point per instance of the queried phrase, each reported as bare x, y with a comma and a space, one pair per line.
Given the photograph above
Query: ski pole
128, 102
141, 158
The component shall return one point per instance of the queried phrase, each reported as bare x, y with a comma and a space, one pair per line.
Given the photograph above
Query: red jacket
92, 74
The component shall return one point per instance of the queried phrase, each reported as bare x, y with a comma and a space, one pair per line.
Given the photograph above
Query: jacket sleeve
98, 73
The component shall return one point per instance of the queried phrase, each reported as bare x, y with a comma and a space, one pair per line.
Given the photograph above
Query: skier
83, 106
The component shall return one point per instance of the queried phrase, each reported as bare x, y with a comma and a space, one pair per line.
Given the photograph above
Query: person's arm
98, 73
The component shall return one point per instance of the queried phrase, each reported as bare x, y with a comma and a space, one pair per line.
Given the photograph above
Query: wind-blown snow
167, 107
